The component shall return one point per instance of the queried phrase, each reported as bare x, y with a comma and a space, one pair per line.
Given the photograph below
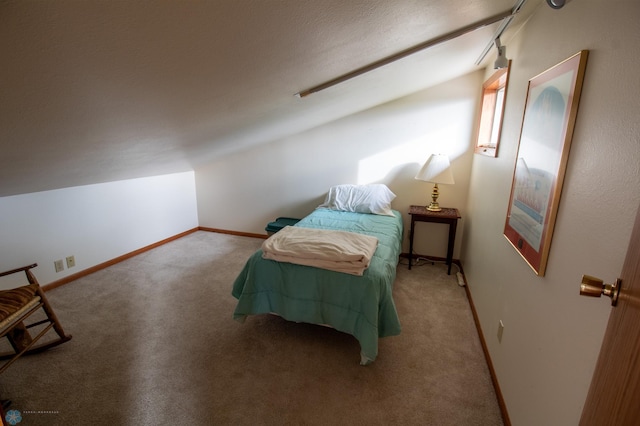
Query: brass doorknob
595, 287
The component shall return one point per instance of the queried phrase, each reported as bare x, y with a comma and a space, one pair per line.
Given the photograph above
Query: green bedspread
359, 305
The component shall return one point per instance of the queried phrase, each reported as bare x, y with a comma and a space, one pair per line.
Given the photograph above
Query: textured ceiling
96, 91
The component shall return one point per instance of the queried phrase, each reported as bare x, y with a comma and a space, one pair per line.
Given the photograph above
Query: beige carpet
154, 344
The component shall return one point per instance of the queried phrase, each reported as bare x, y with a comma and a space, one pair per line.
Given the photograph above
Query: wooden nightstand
446, 215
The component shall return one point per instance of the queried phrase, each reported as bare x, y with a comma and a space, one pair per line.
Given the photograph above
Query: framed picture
494, 94
545, 138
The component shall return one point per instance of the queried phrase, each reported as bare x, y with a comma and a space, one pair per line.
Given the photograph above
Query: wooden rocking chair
16, 306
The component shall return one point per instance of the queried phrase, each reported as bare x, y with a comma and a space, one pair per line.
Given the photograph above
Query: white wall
94, 223
387, 144
552, 335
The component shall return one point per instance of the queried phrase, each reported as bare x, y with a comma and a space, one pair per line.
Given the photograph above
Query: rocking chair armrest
13, 271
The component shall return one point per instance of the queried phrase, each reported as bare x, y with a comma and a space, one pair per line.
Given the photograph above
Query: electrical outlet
500, 331
58, 265
71, 261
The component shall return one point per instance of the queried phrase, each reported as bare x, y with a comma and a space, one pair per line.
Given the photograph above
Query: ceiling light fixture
422, 46
557, 4
501, 60
501, 29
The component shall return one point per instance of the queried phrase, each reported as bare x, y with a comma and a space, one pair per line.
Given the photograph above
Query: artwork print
547, 128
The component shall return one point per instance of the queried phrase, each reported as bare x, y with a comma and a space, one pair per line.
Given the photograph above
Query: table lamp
436, 170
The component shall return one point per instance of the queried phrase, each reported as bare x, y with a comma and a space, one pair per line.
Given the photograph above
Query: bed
362, 306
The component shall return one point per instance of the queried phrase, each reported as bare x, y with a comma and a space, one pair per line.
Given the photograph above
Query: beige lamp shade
437, 169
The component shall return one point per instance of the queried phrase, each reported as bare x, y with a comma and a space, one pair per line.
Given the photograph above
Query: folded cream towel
339, 251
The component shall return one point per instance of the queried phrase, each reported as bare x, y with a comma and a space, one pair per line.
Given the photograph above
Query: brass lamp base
434, 206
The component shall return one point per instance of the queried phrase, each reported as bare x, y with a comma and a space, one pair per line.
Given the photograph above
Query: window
494, 93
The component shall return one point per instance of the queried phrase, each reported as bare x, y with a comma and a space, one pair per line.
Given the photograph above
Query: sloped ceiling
100, 90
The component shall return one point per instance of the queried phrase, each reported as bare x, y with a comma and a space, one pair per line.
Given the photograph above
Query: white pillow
374, 198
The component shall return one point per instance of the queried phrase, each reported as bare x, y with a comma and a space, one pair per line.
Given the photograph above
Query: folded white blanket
339, 251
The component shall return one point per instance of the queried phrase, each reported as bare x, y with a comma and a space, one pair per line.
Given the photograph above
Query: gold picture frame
549, 117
